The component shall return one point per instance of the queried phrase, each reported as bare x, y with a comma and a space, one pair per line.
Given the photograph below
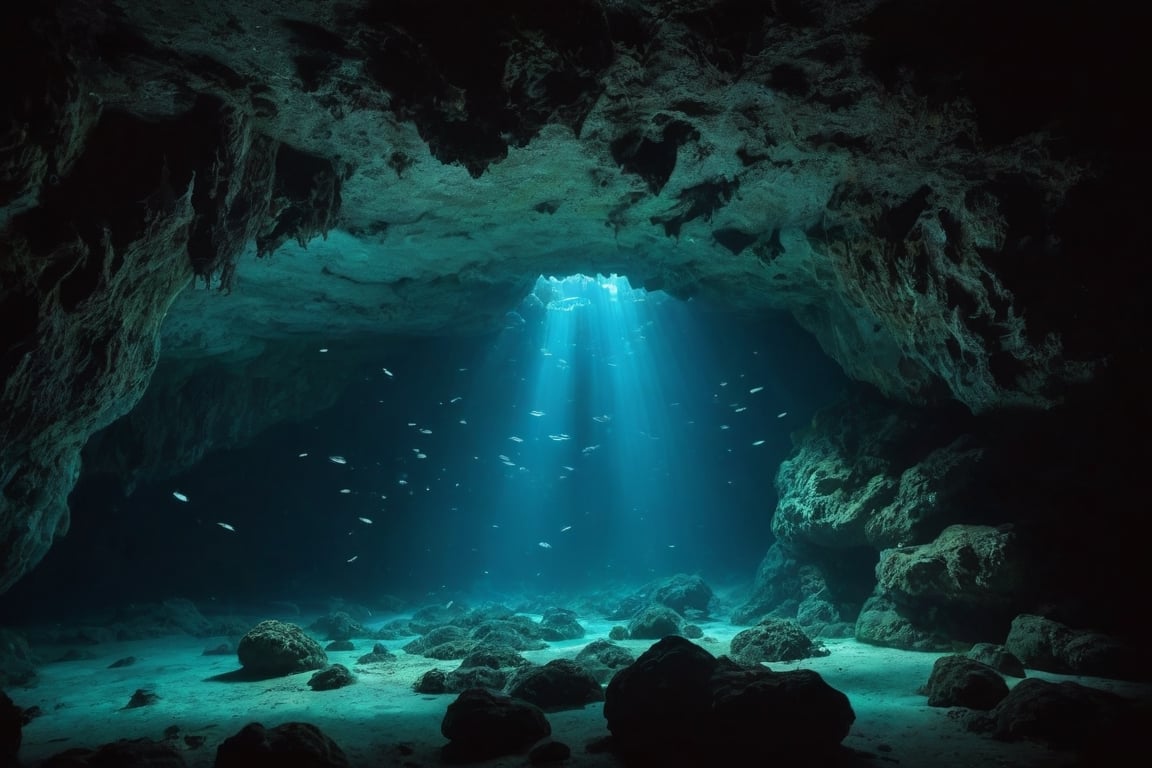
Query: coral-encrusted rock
559, 684
480, 725
1064, 715
655, 622
684, 592
966, 564
335, 676
774, 640
679, 703
560, 624
602, 659
999, 658
885, 623
290, 744
957, 681
278, 648
1045, 644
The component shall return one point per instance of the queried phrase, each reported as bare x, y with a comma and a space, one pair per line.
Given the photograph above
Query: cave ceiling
937, 191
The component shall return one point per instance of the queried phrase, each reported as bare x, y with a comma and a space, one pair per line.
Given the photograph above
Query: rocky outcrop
1045, 644
965, 564
925, 211
871, 474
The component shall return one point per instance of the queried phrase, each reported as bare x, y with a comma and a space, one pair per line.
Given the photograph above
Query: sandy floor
380, 721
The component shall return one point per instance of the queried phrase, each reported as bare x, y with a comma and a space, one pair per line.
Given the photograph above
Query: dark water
636, 464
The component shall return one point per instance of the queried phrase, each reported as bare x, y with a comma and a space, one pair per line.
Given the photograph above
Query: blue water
604, 437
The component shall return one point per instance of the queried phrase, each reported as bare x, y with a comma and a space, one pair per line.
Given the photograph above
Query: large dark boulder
682, 593
677, 702
1063, 715
958, 681
481, 725
559, 684
1042, 643
774, 640
11, 727
276, 648
299, 745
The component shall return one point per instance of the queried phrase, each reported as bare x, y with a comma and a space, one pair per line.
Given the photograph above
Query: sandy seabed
380, 721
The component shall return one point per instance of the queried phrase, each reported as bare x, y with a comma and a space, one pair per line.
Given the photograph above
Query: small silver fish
516, 439
226, 527
179, 496
544, 545
337, 459
365, 520
782, 414
535, 413
402, 482
456, 399
565, 529
449, 605
301, 455
387, 372
463, 421
758, 442
754, 390
352, 559
323, 349
425, 431
421, 455
345, 490
741, 409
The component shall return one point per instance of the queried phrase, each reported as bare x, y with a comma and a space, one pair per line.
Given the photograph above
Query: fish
365, 520
565, 529
421, 455
516, 439
402, 482
301, 455
463, 421
602, 419
723, 383
388, 373
758, 442
323, 349
589, 449
226, 527
782, 414
449, 604
337, 459
535, 413
754, 390
724, 426
456, 399
352, 559
509, 463
544, 545
345, 490
560, 437
179, 496
570, 469
425, 431
741, 409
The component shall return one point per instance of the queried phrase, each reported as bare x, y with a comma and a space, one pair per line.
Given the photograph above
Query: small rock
336, 676
127, 661
142, 698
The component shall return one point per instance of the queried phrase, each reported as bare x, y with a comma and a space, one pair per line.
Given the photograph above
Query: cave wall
942, 193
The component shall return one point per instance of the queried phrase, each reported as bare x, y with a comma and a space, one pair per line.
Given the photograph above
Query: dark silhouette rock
958, 681
480, 725
278, 648
298, 745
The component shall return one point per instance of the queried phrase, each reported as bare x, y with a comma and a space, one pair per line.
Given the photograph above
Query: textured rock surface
925, 210
867, 473
964, 564
1049, 645
277, 648
286, 744
957, 681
